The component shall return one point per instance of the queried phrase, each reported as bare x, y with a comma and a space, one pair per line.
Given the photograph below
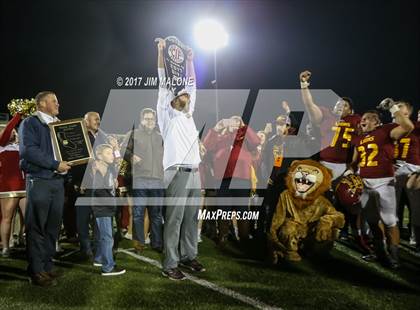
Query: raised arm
214, 137
252, 138
404, 128
191, 80
160, 45
162, 103
404, 122
5, 136
315, 113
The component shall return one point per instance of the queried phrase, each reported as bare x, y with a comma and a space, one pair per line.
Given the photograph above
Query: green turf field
342, 281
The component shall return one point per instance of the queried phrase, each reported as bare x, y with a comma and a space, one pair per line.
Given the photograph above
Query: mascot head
308, 179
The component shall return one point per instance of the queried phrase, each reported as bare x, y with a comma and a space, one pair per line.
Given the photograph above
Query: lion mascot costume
302, 214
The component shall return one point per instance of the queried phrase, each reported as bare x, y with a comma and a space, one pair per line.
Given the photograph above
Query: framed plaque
175, 56
71, 141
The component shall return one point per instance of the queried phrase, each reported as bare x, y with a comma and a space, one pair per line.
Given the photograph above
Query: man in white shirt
181, 177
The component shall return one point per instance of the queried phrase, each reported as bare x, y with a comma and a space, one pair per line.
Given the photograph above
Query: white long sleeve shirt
179, 133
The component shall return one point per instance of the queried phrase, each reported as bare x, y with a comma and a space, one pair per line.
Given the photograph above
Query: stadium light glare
210, 35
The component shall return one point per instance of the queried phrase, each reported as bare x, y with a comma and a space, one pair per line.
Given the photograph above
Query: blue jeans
147, 191
105, 243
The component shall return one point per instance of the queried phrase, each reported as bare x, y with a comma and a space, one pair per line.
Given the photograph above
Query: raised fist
161, 43
220, 125
305, 76
285, 106
386, 104
190, 54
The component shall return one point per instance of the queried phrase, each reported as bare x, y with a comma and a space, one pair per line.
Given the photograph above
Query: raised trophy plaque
71, 141
175, 56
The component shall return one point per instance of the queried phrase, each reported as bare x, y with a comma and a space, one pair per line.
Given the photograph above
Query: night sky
366, 50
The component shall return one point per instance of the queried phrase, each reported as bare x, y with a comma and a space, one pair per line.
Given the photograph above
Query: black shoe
369, 257
42, 279
387, 262
116, 271
174, 274
394, 256
157, 249
193, 265
344, 235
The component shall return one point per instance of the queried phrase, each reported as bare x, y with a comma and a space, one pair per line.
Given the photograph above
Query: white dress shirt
179, 133
47, 118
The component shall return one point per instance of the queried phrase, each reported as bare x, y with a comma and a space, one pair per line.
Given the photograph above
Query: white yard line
222, 290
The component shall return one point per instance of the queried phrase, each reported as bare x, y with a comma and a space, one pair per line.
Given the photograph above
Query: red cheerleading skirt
12, 180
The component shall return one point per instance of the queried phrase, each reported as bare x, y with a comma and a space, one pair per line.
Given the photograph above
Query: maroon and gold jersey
408, 148
336, 136
376, 152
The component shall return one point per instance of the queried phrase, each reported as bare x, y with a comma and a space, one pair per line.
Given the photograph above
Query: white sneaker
412, 241
13, 242
147, 241
114, 272
5, 252
128, 236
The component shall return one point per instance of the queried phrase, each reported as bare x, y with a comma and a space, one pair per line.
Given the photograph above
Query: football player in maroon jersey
337, 127
374, 156
407, 156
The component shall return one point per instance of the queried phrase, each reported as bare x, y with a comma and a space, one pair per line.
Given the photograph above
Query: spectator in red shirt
232, 143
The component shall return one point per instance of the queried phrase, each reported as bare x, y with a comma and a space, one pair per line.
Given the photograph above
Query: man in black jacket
44, 189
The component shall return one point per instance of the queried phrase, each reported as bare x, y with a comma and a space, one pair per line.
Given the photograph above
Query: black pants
44, 212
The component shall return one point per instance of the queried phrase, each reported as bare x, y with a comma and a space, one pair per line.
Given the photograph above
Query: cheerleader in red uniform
12, 182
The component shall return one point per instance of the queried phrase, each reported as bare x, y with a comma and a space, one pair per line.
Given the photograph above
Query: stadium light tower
211, 36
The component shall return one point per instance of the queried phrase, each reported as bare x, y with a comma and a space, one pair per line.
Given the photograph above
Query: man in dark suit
44, 189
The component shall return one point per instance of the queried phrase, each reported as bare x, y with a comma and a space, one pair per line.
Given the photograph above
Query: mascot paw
276, 256
323, 233
324, 230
